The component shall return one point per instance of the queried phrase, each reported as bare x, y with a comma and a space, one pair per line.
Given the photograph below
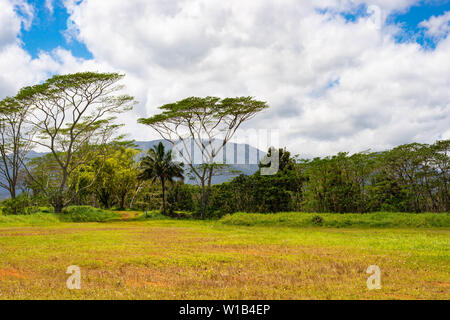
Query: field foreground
168, 259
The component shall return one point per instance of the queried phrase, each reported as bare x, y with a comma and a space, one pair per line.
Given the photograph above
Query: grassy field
176, 259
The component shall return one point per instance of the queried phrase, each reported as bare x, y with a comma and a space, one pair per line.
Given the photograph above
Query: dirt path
129, 215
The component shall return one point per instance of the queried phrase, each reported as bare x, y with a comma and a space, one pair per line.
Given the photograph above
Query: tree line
88, 161
409, 178
74, 119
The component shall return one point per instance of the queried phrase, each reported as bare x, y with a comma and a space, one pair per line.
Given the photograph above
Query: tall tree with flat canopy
73, 117
15, 142
203, 121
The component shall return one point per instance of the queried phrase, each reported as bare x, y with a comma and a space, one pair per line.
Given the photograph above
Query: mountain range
246, 159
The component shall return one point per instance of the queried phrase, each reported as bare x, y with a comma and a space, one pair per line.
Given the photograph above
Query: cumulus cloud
26, 12
9, 24
439, 26
17, 67
333, 85
12, 58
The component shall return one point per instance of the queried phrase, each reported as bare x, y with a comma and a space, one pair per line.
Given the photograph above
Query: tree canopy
209, 123
73, 118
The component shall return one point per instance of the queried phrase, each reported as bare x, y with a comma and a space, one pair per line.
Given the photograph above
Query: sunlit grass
176, 259
347, 220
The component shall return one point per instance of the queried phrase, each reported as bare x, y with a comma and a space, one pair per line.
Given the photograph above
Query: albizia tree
209, 123
15, 143
73, 118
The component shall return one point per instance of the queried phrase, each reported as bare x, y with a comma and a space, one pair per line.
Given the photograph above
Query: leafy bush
19, 206
151, 215
46, 209
87, 214
317, 220
36, 219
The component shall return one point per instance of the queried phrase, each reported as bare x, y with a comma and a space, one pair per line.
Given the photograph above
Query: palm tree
158, 164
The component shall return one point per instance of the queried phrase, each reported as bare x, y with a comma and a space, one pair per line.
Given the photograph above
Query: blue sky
47, 30
410, 20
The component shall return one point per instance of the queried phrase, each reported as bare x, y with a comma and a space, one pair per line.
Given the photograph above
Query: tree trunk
12, 192
58, 204
207, 192
203, 212
134, 195
122, 201
59, 198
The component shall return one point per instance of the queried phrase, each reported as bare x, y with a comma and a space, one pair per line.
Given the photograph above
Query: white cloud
26, 12
283, 52
49, 5
9, 24
11, 21
17, 67
332, 85
439, 26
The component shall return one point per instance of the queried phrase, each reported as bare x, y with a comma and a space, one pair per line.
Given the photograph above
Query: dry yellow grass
206, 260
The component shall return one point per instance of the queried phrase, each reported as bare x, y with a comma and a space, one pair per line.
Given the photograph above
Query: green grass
87, 214
33, 219
70, 214
158, 258
348, 220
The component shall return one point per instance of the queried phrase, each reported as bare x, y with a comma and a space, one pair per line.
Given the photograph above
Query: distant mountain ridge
246, 160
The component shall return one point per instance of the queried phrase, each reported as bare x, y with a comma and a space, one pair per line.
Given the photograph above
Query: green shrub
46, 209
151, 215
36, 219
317, 220
19, 206
87, 214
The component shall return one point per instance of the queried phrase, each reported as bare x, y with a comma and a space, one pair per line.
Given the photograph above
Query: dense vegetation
89, 164
409, 178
